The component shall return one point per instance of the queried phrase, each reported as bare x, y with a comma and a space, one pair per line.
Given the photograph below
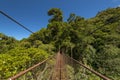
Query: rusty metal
29, 69
59, 69
97, 73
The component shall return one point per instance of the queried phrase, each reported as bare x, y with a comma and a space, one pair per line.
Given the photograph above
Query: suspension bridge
59, 67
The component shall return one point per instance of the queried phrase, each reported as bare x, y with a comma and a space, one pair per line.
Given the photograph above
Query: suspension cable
108, 21
16, 22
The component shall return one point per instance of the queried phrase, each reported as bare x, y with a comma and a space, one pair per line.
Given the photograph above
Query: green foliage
57, 15
94, 42
108, 61
19, 59
7, 43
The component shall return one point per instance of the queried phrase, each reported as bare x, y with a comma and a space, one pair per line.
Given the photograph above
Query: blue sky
33, 13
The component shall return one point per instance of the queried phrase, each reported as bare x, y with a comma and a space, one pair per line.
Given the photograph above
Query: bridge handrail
93, 71
29, 69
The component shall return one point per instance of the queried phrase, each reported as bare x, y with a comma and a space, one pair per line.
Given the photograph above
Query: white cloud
118, 5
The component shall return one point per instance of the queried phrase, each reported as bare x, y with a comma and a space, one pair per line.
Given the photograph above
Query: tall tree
71, 18
56, 13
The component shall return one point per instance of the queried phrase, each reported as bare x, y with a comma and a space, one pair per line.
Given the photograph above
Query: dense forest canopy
94, 42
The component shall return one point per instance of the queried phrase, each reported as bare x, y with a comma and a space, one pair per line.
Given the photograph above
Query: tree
57, 15
7, 43
19, 59
71, 18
